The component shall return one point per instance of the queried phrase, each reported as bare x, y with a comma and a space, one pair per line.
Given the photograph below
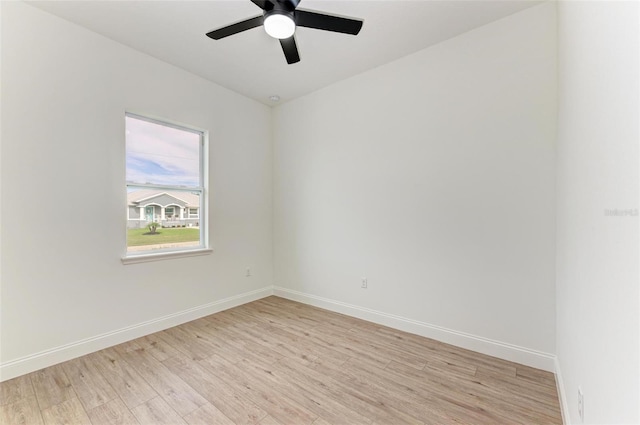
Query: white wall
64, 94
433, 176
597, 266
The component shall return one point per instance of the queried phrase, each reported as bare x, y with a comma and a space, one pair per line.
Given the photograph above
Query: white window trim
140, 218
204, 247
189, 213
157, 256
176, 209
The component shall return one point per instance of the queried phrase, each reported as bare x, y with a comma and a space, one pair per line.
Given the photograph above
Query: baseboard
514, 353
498, 349
564, 406
66, 352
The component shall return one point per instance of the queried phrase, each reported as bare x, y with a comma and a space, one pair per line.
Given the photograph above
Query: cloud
161, 155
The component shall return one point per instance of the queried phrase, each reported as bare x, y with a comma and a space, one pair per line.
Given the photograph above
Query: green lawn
141, 237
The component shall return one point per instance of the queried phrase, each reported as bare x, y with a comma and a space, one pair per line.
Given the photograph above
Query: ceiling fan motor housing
288, 4
278, 11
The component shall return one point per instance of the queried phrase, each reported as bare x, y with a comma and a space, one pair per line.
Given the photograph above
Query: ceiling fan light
279, 26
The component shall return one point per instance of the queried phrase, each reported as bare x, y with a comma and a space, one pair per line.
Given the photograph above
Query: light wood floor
273, 362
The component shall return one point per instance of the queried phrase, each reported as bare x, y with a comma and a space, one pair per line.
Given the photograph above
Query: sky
161, 155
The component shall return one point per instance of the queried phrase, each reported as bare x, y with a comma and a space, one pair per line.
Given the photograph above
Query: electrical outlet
364, 283
248, 272
581, 404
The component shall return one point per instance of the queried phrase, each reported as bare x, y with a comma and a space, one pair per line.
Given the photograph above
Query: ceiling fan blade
236, 28
290, 49
263, 4
306, 18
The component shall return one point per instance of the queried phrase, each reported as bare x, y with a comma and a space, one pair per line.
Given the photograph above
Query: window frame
202, 190
196, 215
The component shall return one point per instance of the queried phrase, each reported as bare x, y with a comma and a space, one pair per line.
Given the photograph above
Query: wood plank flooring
278, 362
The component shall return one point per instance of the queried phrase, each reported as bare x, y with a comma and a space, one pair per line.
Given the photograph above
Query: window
165, 171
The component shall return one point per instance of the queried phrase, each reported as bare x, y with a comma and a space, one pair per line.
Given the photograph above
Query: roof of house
137, 196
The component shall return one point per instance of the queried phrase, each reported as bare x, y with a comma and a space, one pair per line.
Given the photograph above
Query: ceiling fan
280, 19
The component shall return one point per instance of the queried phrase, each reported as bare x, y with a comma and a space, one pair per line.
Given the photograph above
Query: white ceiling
252, 63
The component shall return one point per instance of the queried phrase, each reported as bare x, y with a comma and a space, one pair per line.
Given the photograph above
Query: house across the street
169, 208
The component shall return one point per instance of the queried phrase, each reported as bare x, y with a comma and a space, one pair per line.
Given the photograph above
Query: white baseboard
498, 349
66, 352
564, 406
514, 353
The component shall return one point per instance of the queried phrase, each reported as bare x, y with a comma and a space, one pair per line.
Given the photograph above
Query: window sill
145, 258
